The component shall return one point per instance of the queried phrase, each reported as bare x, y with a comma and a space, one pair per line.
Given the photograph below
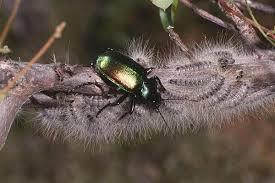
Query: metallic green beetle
127, 76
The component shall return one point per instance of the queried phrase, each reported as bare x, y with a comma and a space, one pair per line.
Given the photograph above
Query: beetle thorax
149, 94
145, 91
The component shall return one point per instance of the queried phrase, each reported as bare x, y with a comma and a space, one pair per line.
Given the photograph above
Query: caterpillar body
221, 84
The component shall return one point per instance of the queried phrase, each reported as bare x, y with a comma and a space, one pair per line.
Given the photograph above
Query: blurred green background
240, 153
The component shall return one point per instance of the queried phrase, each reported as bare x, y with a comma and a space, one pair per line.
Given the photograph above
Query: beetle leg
162, 88
117, 102
132, 108
133, 105
149, 70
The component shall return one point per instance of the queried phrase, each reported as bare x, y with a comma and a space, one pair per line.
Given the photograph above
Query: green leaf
163, 4
167, 17
174, 10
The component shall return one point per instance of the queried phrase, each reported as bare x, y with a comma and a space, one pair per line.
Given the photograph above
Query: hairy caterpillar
220, 84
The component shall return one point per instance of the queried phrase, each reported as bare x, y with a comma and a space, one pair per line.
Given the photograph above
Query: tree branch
245, 29
41, 77
257, 5
67, 97
204, 14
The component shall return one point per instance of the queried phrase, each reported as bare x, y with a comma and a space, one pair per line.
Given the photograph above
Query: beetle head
150, 94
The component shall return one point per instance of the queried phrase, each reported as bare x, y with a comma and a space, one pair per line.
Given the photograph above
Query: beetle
131, 79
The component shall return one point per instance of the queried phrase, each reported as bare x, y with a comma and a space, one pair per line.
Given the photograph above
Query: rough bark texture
219, 86
41, 77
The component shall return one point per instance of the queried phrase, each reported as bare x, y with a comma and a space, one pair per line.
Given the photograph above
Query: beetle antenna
164, 120
181, 99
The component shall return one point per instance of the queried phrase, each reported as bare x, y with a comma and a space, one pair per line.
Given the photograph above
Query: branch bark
42, 77
245, 29
204, 14
54, 88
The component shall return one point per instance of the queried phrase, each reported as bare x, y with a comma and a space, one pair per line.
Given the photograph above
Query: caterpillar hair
222, 84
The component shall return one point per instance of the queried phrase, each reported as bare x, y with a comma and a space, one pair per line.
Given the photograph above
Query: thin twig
245, 28
176, 38
259, 27
208, 16
240, 15
56, 35
9, 22
257, 5
235, 14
